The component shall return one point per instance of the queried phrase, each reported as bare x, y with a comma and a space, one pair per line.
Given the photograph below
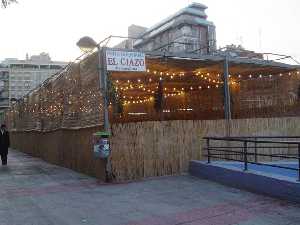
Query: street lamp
87, 44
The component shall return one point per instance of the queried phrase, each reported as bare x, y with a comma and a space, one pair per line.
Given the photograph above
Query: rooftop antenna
260, 39
240, 40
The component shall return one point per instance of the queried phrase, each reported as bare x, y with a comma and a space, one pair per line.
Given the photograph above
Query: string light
89, 97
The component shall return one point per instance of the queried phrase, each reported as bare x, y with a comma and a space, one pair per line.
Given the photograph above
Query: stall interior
172, 88
191, 89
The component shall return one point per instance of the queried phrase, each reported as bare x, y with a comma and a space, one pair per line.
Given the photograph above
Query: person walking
4, 144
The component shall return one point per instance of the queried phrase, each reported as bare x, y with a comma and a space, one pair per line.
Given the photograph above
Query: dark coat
4, 142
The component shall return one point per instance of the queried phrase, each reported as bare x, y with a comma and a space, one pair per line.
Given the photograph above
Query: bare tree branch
5, 3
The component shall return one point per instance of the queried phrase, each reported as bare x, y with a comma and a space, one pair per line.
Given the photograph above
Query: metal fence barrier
251, 147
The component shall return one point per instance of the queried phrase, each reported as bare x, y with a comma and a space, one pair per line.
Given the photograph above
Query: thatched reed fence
182, 100
144, 149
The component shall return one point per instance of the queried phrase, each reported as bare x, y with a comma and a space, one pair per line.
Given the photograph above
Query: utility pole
227, 107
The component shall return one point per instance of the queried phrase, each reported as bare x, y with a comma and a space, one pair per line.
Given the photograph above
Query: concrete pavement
33, 192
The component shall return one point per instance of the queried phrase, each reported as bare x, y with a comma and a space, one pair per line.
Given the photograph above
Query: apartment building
186, 31
25, 75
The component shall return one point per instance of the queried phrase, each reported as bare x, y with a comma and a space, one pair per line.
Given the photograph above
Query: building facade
240, 51
4, 90
25, 75
187, 31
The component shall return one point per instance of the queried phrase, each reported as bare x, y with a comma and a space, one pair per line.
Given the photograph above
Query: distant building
240, 51
188, 30
4, 87
25, 75
134, 31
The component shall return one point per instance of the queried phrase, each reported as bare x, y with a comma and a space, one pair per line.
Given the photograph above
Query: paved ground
33, 192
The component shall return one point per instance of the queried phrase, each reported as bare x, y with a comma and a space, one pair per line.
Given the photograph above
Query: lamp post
227, 106
87, 44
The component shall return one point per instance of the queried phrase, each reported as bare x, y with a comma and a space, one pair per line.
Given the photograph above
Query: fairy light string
133, 91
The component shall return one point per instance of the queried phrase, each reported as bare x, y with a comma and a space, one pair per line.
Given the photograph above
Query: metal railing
249, 150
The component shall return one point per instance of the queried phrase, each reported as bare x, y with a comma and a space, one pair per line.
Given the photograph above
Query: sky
54, 26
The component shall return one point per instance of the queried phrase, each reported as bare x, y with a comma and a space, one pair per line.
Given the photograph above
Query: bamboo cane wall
56, 122
145, 149
67, 148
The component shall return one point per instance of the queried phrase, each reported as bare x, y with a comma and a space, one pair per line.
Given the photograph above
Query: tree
5, 3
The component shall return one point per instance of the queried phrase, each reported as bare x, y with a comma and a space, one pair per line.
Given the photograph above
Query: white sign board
125, 61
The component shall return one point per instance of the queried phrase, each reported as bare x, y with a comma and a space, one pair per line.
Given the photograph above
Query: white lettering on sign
125, 61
